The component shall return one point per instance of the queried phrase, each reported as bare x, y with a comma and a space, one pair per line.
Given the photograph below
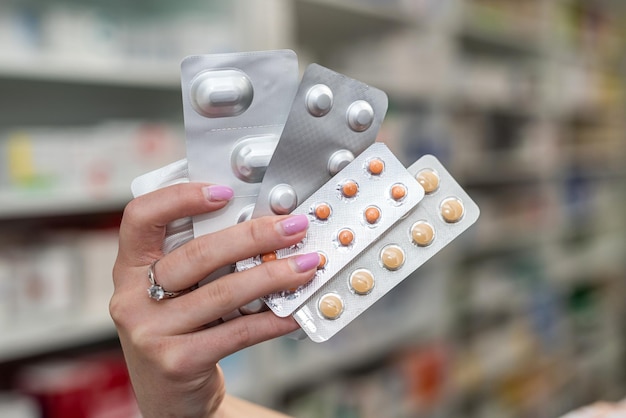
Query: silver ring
156, 291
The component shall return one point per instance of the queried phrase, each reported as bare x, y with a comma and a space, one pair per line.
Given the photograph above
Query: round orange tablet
322, 211
330, 306
376, 166
323, 260
452, 210
372, 214
398, 191
429, 180
345, 237
392, 257
349, 188
268, 257
422, 233
362, 281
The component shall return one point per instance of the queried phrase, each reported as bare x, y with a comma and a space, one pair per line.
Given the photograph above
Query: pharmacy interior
523, 102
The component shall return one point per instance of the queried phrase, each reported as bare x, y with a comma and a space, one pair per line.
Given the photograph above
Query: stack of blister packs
308, 147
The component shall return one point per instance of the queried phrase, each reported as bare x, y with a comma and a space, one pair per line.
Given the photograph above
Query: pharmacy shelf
30, 339
29, 204
62, 69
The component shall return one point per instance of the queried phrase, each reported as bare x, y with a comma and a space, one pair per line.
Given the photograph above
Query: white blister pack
442, 215
346, 215
177, 232
332, 120
235, 107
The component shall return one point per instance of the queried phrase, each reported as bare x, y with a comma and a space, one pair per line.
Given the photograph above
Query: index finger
144, 220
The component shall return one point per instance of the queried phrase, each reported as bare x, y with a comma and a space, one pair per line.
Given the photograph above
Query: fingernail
294, 224
305, 262
218, 193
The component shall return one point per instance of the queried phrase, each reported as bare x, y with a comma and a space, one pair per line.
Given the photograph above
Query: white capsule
221, 93
339, 160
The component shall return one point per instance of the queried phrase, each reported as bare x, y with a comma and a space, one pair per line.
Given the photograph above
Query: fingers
192, 262
222, 296
240, 333
144, 220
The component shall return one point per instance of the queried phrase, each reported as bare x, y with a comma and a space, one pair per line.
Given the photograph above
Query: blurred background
523, 102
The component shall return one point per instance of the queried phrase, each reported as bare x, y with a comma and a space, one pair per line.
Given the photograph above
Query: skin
171, 353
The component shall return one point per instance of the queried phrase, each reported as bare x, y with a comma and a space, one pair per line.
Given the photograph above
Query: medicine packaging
442, 215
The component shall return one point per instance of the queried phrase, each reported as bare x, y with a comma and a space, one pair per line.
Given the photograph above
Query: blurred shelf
63, 69
324, 26
487, 30
28, 204
41, 336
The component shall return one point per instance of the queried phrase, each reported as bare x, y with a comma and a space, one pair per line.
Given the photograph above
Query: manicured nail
217, 193
305, 262
293, 224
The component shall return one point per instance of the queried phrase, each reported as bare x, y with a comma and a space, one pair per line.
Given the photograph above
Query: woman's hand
170, 351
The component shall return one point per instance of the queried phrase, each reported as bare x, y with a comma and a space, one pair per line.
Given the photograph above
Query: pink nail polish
294, 224
305, 262
216, 193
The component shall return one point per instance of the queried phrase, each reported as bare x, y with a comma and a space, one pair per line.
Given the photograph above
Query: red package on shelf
90, 387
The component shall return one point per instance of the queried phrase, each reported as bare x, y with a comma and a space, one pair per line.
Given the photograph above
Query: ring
156, 291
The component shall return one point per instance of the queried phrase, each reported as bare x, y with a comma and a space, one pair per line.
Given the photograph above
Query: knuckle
258, 230
242, 334
221, 294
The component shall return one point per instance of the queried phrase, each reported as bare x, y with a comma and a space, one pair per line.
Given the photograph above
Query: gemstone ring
156, 291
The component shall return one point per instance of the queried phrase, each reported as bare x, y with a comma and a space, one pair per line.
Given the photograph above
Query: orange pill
429, 180
398, 191
330, 306
349, 189
362, 281
345, 237
322, 211
392, 257
372, 214
376, 166
452, 210
268, 257
422, 233
323, 261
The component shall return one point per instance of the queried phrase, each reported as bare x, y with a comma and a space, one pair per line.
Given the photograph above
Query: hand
170, 351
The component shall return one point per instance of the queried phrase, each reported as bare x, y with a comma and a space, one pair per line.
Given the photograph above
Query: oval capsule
221, 93
251, 156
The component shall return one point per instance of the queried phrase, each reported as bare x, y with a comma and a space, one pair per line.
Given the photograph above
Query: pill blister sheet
235, 107
179, 231
332, 120
444, 213
347, 212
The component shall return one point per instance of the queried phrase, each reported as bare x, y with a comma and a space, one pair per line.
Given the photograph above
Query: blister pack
443, 214
332, 120
346, 215
235, 107
177, 232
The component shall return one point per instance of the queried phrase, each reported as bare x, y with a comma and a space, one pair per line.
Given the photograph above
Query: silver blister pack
332, 120
346, 215
443, 214
179, 231
235, 107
